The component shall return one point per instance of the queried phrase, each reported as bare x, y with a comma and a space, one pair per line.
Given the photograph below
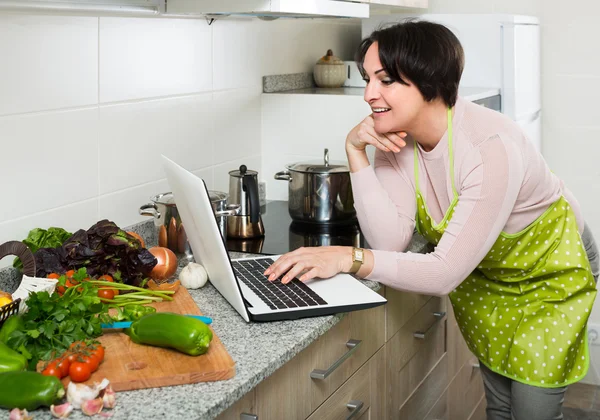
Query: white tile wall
134, 135
88, 104
237, 124
48, 62
48, 160
142, 58
299, 127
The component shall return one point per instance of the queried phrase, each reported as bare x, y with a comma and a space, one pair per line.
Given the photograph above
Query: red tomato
91, 361
107, 294
97, 351
63, 366
53, 276
52, 370
70, 273
106, 277
79, 372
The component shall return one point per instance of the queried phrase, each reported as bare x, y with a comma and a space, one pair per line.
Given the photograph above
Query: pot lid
324, 166
329, 59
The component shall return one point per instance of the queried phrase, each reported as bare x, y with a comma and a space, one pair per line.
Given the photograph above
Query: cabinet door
466, 390
418, 4
246, 405
410, 360
400, 308
440, 410
292, 393
479, 412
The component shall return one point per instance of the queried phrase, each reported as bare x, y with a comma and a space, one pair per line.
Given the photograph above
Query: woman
509, 250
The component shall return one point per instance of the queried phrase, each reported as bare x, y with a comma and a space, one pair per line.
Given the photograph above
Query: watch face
359, 254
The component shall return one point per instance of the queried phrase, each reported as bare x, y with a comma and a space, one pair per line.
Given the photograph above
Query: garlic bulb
193, 276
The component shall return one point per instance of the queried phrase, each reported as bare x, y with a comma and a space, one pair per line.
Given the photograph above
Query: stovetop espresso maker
243, 190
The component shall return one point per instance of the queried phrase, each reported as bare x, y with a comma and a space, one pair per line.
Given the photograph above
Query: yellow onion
167, 263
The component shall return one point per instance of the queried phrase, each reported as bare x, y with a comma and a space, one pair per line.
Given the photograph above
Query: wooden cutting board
131, 366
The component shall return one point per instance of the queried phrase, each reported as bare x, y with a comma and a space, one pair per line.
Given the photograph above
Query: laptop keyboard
275, 294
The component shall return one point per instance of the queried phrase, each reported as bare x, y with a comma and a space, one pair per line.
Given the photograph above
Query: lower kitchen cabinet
411, 363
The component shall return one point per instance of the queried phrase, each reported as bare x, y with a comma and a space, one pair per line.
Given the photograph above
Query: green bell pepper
164, 329
13, 323
29, 390
11, 360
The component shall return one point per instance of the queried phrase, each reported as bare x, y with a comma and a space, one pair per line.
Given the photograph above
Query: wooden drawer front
426, 395
366, 326
458, 352
440, 410
479, 412
356, 391
404, 376
293, 384
400, 308
246, 405
466, 390
403, 346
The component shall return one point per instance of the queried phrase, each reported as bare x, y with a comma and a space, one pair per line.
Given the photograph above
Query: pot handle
150, 210
232, 210
283, 176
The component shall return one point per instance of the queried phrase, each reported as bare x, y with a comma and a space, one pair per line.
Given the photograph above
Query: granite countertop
258, 350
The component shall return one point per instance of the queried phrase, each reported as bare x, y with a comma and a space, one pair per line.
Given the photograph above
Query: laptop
241, 281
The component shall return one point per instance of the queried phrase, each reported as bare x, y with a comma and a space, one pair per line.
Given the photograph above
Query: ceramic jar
330, 71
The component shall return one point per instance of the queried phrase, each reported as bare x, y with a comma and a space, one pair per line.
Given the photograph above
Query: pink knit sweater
503, 184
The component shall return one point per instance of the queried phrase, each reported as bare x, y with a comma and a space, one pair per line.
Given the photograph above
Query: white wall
88, 105
571, 127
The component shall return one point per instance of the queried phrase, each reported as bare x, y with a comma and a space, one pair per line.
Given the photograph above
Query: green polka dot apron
523, 312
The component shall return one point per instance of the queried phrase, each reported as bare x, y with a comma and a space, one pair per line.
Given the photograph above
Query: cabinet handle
246, 416
355, 406
421, 334
322, 374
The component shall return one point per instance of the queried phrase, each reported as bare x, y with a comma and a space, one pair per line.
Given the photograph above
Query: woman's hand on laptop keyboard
312, 262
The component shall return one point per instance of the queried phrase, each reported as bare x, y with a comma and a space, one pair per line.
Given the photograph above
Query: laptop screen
197, 216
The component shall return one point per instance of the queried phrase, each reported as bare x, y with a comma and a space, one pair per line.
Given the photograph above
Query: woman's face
393, 104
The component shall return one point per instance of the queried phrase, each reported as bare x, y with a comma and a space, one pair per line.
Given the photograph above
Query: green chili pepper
29, 390
164, 329
11, 360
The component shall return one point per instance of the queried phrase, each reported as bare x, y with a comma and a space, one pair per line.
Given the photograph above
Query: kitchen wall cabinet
412, 363
418, 4
137, 7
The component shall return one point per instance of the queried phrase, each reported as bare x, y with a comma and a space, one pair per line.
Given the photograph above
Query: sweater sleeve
490, 179
385, 204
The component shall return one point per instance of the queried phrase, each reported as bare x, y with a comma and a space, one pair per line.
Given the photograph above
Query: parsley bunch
53, 322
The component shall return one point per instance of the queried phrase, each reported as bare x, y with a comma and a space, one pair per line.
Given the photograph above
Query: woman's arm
385, 203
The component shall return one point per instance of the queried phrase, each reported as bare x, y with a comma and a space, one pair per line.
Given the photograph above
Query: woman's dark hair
427, 54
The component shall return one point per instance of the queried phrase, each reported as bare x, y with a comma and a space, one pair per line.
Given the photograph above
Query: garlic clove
109, 398
77, 394
92, 407
16, 414
61, 411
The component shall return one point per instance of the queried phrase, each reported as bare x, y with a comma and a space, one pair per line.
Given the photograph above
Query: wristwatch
358, 258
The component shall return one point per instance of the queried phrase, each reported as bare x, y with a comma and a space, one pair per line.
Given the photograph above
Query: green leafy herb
53, 322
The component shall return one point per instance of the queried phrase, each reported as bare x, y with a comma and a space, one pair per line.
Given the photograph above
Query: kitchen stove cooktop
284, 235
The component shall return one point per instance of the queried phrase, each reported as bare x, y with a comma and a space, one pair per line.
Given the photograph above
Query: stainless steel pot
167, 220
319, 191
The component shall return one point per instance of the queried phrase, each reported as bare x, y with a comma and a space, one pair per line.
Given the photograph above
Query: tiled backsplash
88, 105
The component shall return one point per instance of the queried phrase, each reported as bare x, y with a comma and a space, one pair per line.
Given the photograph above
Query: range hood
269, 8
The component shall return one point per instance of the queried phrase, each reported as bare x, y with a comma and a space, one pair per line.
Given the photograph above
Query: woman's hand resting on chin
364, 134
322, 262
